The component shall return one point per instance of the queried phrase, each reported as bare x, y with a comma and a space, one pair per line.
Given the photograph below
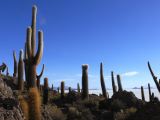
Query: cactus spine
20, 71
154, 77
142, 93
102, 82
62, 89
15, 64
85, 82
78, 88
39, 77
45, 91
149, 91
33, 59
119, 83
113, 83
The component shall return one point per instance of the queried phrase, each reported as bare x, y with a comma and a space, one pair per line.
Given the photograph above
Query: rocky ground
121, 106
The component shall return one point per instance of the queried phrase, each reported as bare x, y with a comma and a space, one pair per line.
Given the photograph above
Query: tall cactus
78, 88
154, 77
39, 77
26, 65
62, 89
20, 72
33, 59
149, 91
15, 65
119, 83
104, 92
113, 83
85, 82
45, 91
142, 93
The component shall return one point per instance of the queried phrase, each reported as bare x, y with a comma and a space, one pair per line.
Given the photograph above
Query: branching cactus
15, 65
142, 93
113, 83
119, 83
154, 77
149, 91
20, 72
33, 59
85, 82
78, 88
102, 82
62, 89
45, 91
39, 77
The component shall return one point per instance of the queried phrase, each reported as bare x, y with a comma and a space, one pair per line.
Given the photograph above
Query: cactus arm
40, 75
15, 64
29, 49
33, 42
40, 48
154, 77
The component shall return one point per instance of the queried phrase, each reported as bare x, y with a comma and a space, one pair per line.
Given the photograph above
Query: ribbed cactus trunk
142, 93
15, 65
26, 66
33, 59
78, 88
85, 82
119, 83
113, 83
154, 77
104, 92
20, 72
39, 77
45, 91
149, 91
62, 89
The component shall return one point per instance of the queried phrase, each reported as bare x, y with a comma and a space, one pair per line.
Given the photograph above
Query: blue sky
123, 34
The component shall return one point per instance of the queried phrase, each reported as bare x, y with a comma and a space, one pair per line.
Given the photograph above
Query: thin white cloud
130, 74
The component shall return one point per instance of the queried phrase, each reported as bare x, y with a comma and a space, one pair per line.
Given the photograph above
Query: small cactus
69, 89
149, 91
20, 72
15, 65
119, 83
58, 89
78, 88
7, 73
102, 82
62, 89
85, 82
113, 83
45, 91
34, 104
142, 93
52, 87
